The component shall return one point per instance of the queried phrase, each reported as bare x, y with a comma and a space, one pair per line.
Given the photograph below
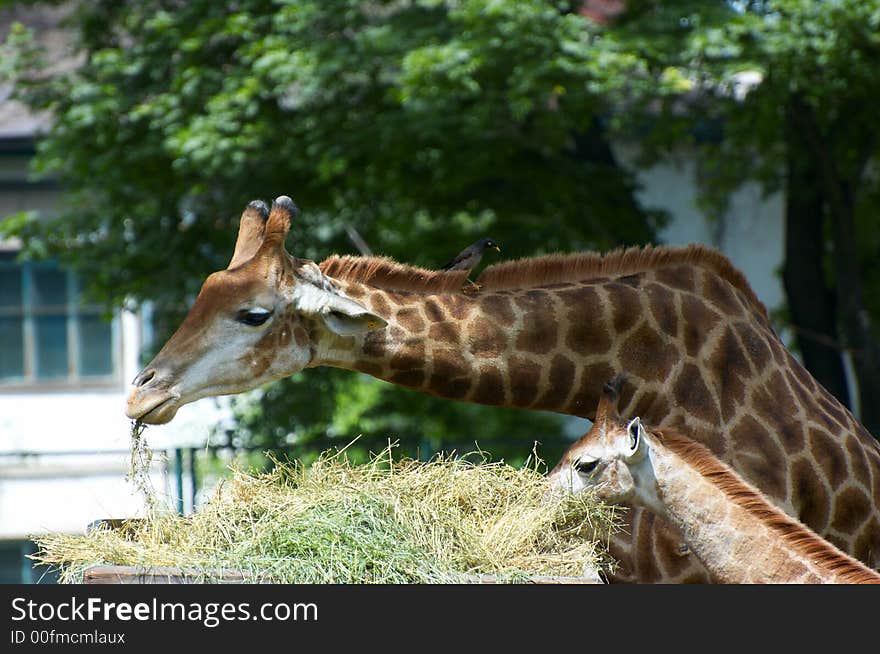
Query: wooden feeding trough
125, 574
129, 574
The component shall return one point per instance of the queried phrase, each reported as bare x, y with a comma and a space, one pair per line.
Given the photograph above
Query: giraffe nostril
144, 377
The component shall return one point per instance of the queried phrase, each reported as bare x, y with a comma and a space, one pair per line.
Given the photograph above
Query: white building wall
64, 456
751, 233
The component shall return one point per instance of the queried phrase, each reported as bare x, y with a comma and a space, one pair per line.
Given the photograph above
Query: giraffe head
610, 459
258, 320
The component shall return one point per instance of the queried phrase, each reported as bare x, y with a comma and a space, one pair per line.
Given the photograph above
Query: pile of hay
442, 521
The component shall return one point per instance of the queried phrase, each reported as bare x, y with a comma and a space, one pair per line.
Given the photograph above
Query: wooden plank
127, 574
541, 579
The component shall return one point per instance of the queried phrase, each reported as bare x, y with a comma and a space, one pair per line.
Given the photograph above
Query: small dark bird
470, 257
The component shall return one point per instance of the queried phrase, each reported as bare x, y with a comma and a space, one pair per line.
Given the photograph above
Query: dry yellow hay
386, 521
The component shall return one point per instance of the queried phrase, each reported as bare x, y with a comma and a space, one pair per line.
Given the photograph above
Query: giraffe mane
798, 536
386, 273
529, 272
559, 268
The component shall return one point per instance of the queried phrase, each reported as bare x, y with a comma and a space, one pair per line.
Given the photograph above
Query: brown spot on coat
758, 457
587, 334
649, 405
680, 278
835, 418
804, 397
408, 378
667, 540
584, 300
776, 404
410, 318
722, 294
560, 382
355, 291
375, 346
866, 546
593, 378
858, 460
450, 378
647, 354
407, 357
458, 307
539, 332
699, 320
851, 508
645, 525
524, 375
447, 333
499, 308
379, 304
780, 356
829, 455
809, 495
690, 391
370, 368
805, 378
626, 307
489, 388
487, 339
754, 344
433, 311
731, 371
661, 302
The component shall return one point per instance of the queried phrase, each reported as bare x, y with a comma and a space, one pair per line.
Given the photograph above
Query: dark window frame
75, 313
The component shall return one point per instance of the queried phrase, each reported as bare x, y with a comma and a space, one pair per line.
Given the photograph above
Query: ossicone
260, 207
607, 409
284, 202
280, 217
251, 229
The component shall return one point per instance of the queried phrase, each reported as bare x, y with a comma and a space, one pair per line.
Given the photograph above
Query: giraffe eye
253, 317
586, 467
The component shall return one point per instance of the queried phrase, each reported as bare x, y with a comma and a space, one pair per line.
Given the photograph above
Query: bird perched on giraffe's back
470, 257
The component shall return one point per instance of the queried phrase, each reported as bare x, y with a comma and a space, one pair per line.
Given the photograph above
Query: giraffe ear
315, 295
637, 447
347, 317
250, 232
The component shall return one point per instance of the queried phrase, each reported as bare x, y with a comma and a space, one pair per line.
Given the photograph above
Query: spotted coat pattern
702, 358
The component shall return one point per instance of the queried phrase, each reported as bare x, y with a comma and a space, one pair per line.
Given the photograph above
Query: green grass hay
442, 521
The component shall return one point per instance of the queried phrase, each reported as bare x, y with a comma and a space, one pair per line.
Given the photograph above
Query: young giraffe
726, 522
542, 333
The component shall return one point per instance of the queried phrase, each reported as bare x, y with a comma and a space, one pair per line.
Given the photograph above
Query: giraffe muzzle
149, 400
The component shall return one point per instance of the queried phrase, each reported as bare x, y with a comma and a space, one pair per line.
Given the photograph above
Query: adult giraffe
543, 333
727, 523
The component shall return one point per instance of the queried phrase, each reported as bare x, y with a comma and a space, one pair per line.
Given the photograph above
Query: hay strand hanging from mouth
140, 464
385, 521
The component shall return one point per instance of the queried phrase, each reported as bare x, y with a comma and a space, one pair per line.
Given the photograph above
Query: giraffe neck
507, 348
733, 529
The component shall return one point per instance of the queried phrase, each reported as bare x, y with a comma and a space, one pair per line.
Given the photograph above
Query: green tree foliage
423, 124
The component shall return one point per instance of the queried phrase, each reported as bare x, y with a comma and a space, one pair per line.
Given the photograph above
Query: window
47, 335
16, 568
